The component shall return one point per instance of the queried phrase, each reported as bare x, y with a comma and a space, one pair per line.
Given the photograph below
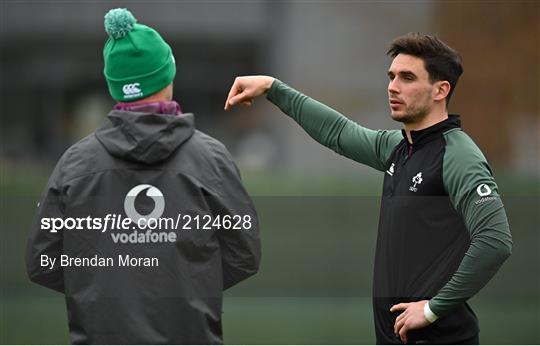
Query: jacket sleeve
241, 247
42, 241
473, 192
333, 130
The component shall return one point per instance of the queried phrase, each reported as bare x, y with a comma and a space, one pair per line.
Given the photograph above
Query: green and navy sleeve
474, 194
333, 130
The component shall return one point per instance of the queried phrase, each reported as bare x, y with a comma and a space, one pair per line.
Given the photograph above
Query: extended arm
322, 123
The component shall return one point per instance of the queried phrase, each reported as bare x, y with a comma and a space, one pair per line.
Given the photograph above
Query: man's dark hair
440, 61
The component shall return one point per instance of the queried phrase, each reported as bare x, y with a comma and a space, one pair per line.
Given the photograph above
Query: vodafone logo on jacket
152, 192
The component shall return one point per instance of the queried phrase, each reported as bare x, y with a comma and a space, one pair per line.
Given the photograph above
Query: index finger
235, 90
399, 307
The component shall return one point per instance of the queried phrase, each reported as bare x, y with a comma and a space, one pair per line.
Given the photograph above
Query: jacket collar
430, 133
163, 107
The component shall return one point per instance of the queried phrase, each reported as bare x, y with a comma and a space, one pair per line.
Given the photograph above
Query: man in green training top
443, 231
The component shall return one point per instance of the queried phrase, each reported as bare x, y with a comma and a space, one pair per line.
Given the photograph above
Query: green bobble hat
138, 62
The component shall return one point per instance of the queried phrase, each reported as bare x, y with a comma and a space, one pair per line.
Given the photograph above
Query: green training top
459, 220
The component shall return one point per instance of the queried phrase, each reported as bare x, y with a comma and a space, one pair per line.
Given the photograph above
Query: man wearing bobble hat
127, 277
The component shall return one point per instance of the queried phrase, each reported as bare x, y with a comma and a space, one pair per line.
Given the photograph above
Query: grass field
28, 319
315, 278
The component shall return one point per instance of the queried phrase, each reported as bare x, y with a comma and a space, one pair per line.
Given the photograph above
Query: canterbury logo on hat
132, 90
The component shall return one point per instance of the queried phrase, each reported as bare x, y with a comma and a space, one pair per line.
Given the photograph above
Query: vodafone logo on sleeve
484, 191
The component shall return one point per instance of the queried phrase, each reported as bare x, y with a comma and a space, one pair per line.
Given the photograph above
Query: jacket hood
144, 137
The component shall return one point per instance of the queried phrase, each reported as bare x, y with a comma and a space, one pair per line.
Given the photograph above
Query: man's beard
412, 115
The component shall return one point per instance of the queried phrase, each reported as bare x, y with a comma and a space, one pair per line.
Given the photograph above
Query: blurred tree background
319, 211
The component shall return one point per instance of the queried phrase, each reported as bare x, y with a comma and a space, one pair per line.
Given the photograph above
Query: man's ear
441, 90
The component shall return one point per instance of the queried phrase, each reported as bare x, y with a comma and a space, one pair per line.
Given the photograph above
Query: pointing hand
245, 89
